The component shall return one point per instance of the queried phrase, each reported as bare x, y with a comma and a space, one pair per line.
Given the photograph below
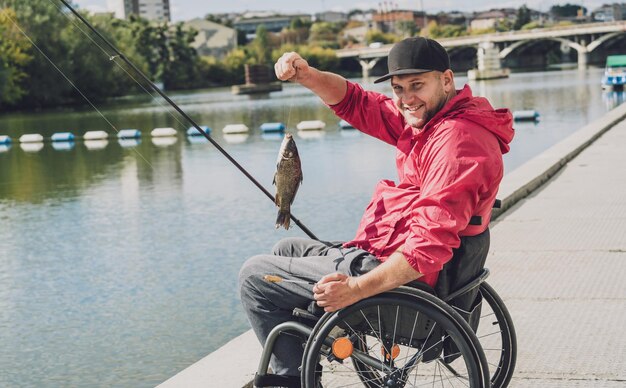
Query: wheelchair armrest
469, 286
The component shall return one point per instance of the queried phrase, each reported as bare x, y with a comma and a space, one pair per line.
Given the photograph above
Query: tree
324, 34
181, 69
567, 10
522, 18
14, 56
259, 47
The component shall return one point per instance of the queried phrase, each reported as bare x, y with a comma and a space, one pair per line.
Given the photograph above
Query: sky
190, 9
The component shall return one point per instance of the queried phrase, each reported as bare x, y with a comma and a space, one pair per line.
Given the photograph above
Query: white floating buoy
32, 146
311, 125
163, 132
62, 136
235, 128
129, 134
31, 138
272, 127
525, 115
164, 141
4, 139
95, 135
96, 144
343, 124
193, 131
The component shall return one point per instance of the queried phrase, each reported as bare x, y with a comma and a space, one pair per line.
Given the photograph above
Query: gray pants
269, 304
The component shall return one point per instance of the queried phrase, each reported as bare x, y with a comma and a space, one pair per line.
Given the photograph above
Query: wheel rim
415, 332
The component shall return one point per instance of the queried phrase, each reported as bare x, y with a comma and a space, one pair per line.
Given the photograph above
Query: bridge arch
604, 38
576, 46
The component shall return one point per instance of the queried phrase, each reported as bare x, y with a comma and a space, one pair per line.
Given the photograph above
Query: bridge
584, 38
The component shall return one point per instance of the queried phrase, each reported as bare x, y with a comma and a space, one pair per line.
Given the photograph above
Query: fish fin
277, 199
283, 219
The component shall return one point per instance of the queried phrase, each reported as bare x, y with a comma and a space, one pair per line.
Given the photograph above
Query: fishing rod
120, 55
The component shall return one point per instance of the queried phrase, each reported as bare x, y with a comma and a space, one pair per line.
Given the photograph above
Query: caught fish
287, 179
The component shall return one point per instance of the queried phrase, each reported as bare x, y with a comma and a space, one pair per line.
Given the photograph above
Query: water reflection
129, 143
31, 147
95, 145
164, 141
63, 145
613, 98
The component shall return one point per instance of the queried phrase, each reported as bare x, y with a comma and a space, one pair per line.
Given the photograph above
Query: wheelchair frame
481, 377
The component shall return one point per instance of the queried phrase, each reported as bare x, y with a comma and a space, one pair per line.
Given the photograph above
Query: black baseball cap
415, 55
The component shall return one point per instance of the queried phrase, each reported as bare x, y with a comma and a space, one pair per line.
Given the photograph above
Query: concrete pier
558, 259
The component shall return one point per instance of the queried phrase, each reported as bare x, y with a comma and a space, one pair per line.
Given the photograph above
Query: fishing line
70, 81
121, 56
113, 59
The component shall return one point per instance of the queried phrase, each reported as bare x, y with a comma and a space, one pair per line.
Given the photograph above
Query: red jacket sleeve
456, 165
370, 112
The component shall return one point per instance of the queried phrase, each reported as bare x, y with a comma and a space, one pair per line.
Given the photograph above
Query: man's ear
448, 80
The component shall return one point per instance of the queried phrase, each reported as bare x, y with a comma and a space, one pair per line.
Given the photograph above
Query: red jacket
448, 172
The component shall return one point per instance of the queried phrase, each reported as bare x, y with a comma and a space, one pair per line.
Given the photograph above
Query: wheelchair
459, 334
407, 337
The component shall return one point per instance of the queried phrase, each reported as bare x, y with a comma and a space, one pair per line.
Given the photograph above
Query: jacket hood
479, 111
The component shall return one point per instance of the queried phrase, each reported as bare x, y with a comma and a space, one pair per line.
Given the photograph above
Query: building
331, 17
157, 10
398, 20
610, 13
272, 24
492, 18
213, 39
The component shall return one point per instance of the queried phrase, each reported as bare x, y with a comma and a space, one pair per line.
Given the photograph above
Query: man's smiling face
420, 96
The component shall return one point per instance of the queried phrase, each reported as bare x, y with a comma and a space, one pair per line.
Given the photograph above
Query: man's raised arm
330, 87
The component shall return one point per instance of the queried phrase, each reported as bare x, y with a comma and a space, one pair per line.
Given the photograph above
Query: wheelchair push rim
398, 341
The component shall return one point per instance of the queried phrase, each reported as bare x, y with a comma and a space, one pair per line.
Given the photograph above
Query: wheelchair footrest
277, 381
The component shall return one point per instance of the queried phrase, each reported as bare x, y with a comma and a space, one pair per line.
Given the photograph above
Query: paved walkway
558, 259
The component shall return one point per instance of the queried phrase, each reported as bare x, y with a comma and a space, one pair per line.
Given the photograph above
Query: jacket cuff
421, 263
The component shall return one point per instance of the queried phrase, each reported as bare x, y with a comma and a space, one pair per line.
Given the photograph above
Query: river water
119, 260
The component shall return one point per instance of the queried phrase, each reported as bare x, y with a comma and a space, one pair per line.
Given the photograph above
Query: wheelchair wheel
497, 337
394, 339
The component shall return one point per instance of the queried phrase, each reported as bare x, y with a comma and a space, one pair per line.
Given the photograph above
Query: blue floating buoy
525, 115
62, 136
4, 139
272, 127
129, 134
343, 124
193, 131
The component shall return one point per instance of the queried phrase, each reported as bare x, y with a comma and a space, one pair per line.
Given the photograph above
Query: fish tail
283, 218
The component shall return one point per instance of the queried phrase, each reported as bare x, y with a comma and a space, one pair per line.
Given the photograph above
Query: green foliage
532, 26
567, 10
260, 47
324, 34
14, 56
522, 18
372, 36
434, 30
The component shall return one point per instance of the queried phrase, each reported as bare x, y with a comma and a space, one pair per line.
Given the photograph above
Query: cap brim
401, 72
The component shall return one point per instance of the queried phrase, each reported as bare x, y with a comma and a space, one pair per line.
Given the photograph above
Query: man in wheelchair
449, 162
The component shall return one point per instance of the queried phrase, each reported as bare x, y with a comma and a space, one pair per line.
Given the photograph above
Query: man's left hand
336, 291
